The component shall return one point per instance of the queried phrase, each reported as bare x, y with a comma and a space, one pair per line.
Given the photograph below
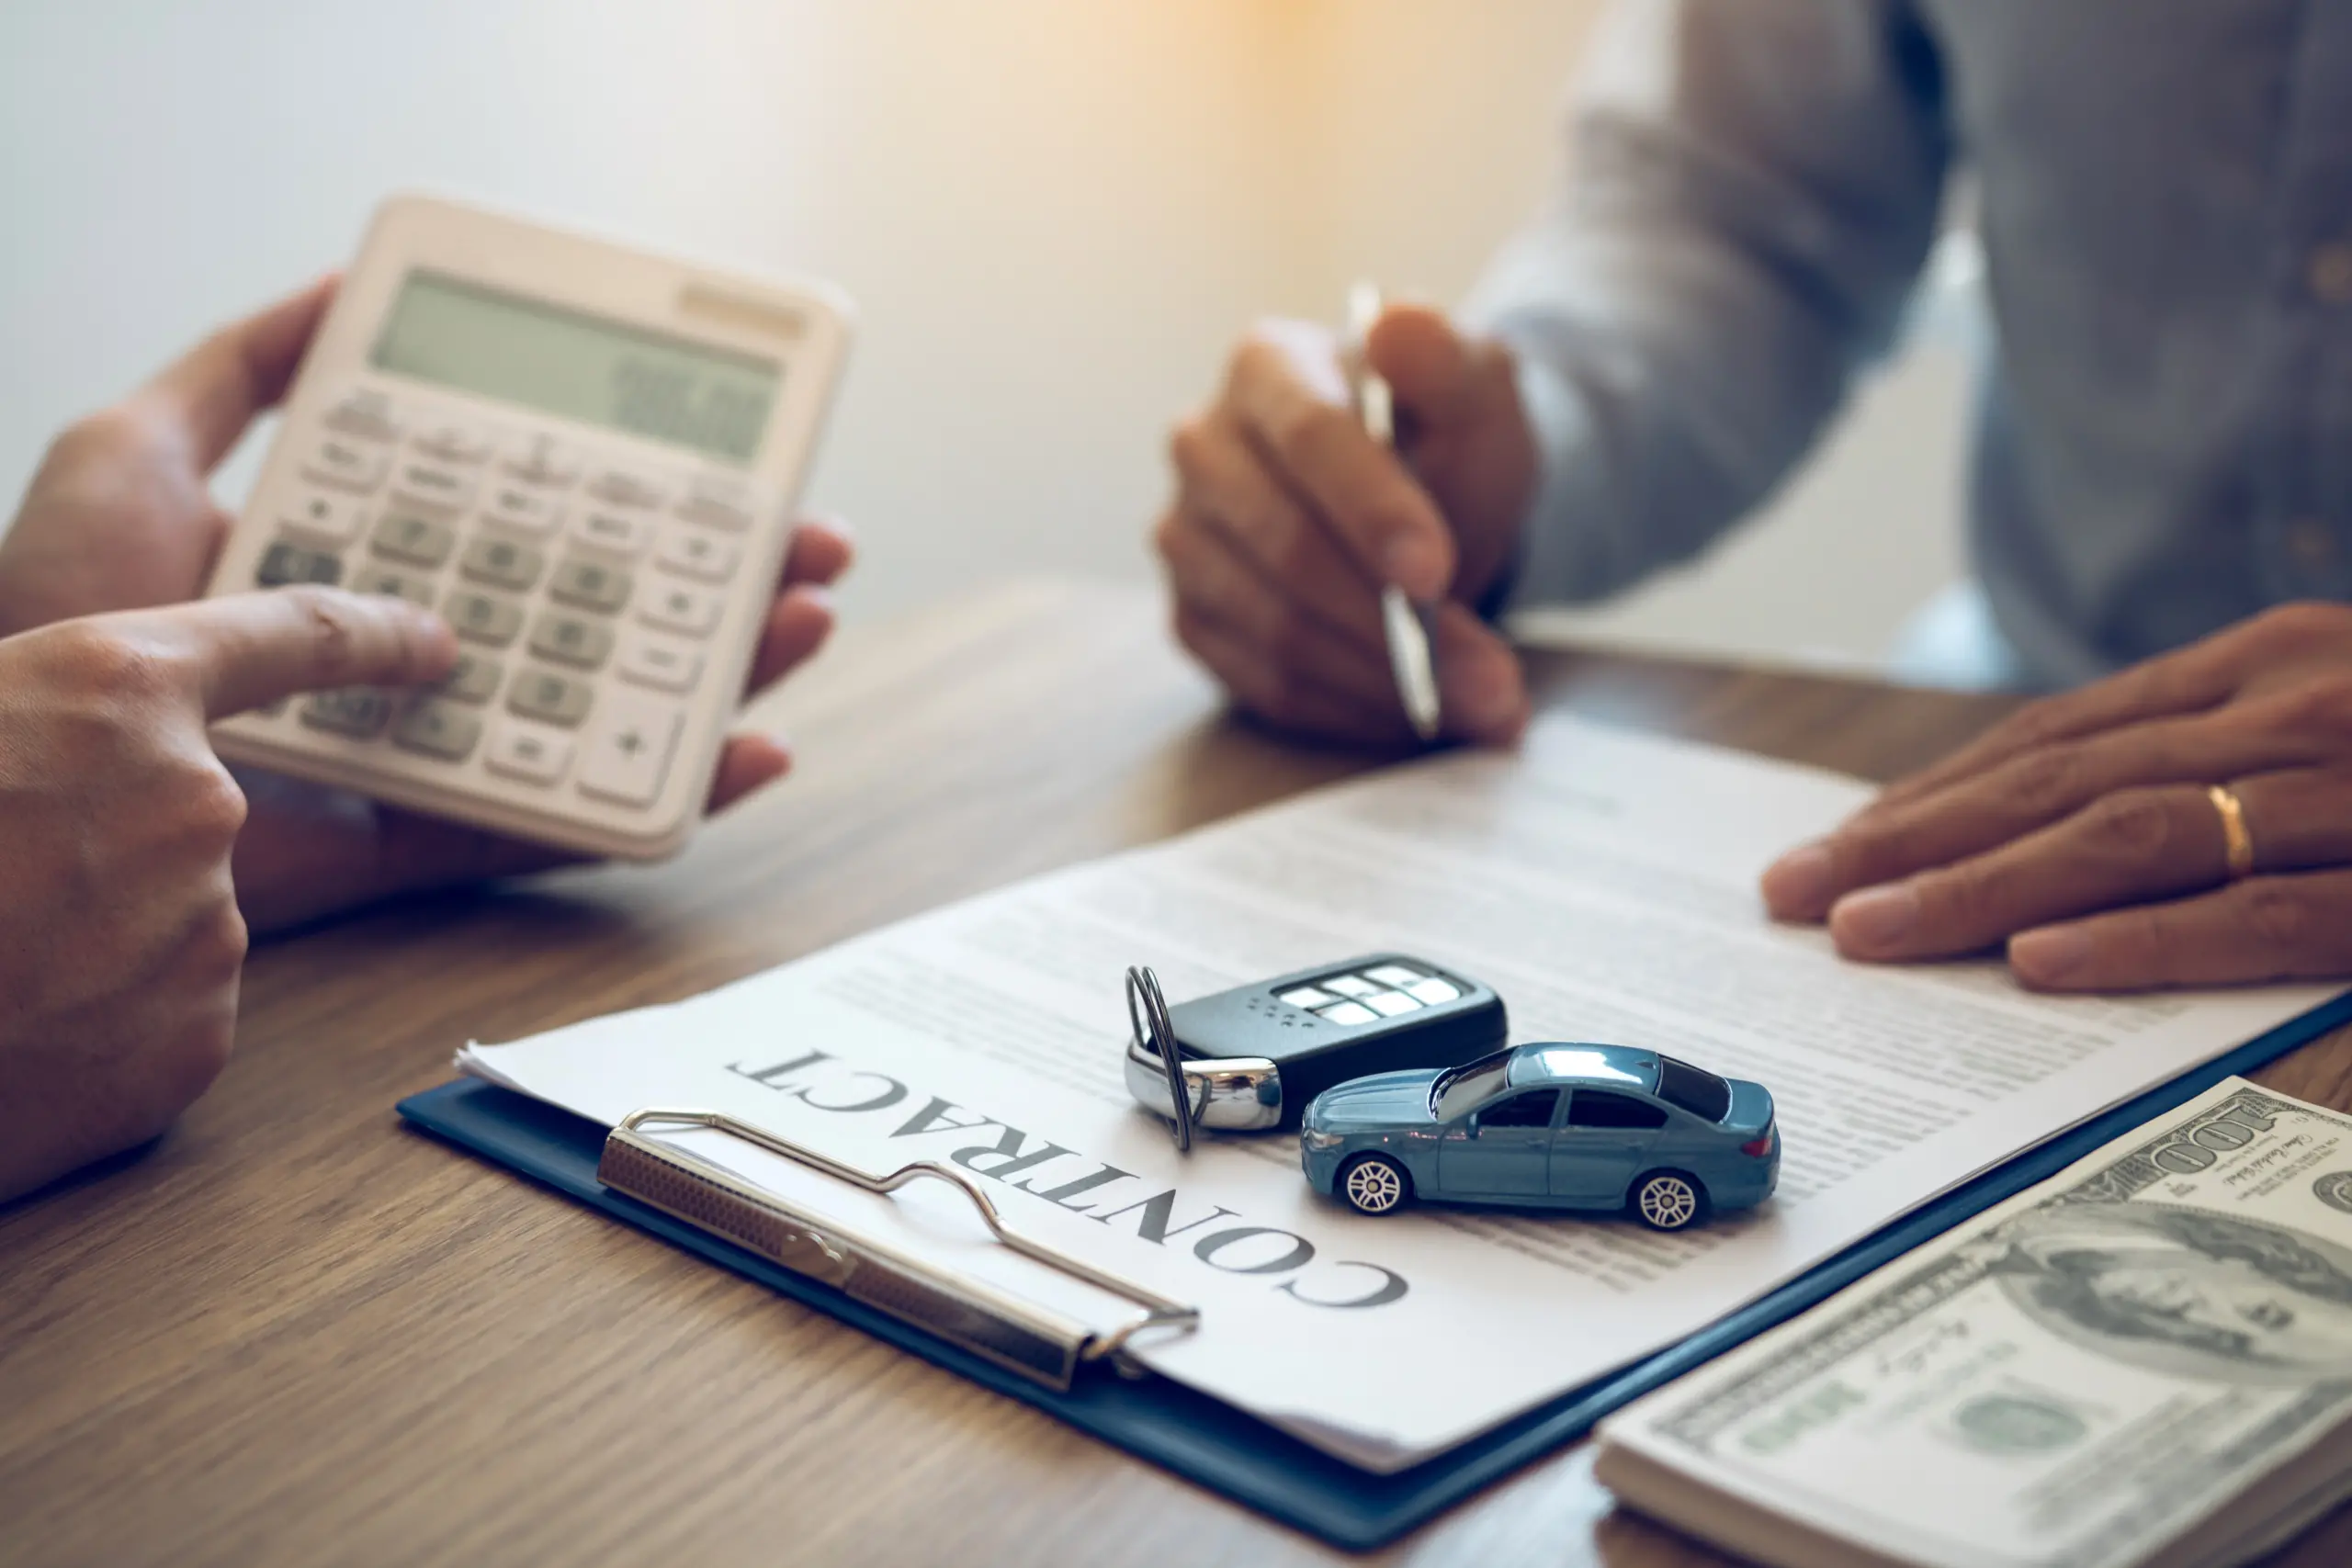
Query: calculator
586, 458
1250, 1059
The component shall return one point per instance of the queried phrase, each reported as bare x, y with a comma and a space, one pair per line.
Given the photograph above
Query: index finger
1290, 397
246, 650
212, 392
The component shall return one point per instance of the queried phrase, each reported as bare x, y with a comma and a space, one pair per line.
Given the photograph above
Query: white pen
1405, 624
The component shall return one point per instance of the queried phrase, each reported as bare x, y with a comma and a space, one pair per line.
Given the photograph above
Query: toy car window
1695, 1089
1532, 1109
1462, 1088
1600, 1108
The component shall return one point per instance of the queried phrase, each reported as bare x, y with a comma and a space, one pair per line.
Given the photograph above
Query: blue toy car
1557, 1127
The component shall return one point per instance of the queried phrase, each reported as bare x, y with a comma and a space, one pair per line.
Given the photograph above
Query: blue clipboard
1237, 1455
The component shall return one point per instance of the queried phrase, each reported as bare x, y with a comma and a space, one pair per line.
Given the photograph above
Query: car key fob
1250, 1059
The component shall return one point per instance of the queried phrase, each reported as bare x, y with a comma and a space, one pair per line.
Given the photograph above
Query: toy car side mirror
1470, 1125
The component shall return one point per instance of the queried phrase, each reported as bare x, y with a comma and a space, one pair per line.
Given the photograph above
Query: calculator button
675, 609
1349, 986
1391, 1004
568, 639
396, 584
474, 679
503, 563
283, 564
658, 662
628, 756
366, 412
1348, 1014
720, 500
346, 463
438, 729
542, 694
357, 711
318, 518
525, 510
419, 540
541, 460
527, 752
452, 442
435, 485
1395, 974
699, 554
478, 617
1433, 992
591, 585
623, 530
629, 487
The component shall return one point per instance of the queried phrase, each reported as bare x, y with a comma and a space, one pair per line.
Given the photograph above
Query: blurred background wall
1055, 214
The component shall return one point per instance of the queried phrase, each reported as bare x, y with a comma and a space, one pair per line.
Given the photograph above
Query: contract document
1603, 882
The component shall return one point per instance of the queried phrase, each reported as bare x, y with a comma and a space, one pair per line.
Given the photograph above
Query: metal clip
1023, 1336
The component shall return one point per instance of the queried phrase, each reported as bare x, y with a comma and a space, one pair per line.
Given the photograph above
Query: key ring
1147, 1013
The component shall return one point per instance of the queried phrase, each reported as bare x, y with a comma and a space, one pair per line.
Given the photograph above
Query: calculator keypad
583, 592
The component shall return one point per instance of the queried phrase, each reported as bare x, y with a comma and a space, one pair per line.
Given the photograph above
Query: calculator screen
561, 362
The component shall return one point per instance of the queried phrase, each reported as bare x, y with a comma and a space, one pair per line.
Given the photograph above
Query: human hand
121, 940
118, 517
2081, 832
1288, 519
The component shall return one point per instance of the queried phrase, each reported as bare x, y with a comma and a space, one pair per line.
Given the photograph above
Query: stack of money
2145, 1360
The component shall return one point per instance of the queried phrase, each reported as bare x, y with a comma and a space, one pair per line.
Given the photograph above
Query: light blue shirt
2163, 193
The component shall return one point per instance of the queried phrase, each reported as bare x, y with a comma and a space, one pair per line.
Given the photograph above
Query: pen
1405, 624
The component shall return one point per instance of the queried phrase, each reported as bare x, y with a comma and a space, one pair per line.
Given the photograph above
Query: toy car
1552, 1126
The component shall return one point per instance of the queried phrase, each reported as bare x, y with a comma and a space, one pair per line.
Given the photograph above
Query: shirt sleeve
1754, 188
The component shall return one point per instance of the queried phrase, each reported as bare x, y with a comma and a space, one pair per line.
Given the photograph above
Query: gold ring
2240, 843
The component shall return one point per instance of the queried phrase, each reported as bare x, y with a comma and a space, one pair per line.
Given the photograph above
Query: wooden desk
295, 1333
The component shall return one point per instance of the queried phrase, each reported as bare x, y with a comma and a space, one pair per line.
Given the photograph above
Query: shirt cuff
1544, 570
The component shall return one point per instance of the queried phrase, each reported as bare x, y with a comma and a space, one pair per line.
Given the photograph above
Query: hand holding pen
1291, 517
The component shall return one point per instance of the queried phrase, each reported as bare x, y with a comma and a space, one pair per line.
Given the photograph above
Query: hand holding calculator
585, 458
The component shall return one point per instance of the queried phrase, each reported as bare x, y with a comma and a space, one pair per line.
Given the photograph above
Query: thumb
212, 392
249, 649
1427, 362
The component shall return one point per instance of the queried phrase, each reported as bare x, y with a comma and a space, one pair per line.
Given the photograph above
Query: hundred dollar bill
2147, 1358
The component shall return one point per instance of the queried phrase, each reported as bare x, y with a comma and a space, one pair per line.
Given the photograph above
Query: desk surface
294, 1331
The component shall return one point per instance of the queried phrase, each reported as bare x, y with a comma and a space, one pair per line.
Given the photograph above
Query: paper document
1603, 882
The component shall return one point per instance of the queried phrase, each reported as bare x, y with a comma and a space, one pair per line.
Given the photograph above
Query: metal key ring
1148, 1014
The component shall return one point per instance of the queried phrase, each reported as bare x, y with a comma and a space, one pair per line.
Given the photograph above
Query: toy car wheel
1374, 1186
1668, 1201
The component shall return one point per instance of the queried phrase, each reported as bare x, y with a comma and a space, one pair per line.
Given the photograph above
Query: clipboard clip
1016, 1333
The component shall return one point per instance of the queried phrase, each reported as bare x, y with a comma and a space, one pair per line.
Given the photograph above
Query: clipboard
1234, 1453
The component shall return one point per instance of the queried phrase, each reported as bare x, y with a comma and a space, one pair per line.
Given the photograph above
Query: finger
1217, 583
1290, 397
1892, 839
2125, 848
1428, 364
1224, 484
821, 550
1287, 697
249, 649
2266, 928
2299, 819
747, 763
2186, 682
798, 624
1481, 688
212, 392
